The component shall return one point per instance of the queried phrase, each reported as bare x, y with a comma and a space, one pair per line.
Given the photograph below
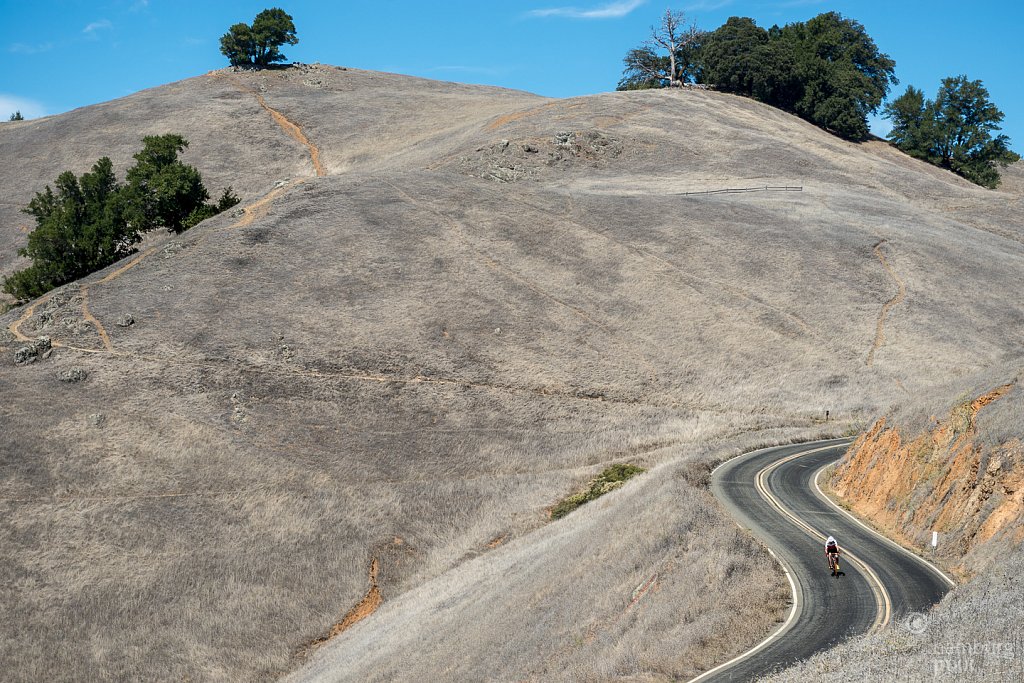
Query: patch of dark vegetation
239, 262
611, 478
259, 46
92, 220
254, 236
826, 70
953, 131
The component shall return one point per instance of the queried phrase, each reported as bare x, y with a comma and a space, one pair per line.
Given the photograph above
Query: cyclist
832, 553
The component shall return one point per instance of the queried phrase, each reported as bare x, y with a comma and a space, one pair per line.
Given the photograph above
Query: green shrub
92, 221
613, 477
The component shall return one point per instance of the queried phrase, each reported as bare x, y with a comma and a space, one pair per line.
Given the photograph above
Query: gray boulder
38, 349
73, 375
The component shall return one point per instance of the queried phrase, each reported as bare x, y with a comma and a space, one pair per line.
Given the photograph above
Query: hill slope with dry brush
440, 310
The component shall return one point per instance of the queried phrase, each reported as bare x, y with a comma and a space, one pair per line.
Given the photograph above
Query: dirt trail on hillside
292, 129
250, 212
295, 131
366, 607
901, 293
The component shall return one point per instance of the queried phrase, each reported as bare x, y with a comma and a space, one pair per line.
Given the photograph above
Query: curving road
773, 493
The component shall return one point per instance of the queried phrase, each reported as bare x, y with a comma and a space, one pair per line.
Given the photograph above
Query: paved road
772, 492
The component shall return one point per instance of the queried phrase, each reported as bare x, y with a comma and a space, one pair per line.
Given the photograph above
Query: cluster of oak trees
92, 221
829, 71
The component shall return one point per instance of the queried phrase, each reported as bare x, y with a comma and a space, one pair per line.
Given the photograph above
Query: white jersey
831, 541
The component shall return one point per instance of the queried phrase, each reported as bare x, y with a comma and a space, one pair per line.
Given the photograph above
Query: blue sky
59, 55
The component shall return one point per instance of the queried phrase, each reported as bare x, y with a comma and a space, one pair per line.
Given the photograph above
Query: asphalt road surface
773, 493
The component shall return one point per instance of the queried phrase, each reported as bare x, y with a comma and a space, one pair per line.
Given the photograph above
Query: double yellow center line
882, 600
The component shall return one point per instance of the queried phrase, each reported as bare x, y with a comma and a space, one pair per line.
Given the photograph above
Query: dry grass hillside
327, 428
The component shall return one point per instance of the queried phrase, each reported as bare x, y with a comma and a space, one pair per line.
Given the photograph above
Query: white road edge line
874, 532
794, 611
882, 599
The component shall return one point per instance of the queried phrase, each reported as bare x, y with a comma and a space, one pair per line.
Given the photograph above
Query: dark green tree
259, 45
163, 189
238, 45
743, 58
90, 222
80, 228
842, 74
827, 70
954, 131
911, 123
16, 116
227, 200
271, 29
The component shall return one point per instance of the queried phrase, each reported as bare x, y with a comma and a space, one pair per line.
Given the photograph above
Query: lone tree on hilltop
258, 45
16, 116
953, 131
666, 58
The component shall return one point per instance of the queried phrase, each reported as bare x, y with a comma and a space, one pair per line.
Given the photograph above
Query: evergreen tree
93, 221
842, 74
954, 131
238, 45
827, 70
166, 190
743, 58
80, 228
259, 45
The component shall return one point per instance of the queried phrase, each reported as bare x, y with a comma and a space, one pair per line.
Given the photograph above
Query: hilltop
439, 310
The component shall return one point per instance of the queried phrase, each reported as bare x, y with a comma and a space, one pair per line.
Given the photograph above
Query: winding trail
901, 293
250, 213
295, 132
776, 494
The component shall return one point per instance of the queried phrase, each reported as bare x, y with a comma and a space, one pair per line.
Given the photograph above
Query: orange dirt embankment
942, 480
367, 606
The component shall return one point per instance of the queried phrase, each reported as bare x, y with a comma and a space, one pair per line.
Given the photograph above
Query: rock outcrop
948, 479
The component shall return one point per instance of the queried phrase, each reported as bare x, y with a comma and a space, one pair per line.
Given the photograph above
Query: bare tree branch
671, 35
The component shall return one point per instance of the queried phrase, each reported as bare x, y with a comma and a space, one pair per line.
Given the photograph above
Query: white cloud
707, 5
611, 10
29, 48
91, 28
30, 109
